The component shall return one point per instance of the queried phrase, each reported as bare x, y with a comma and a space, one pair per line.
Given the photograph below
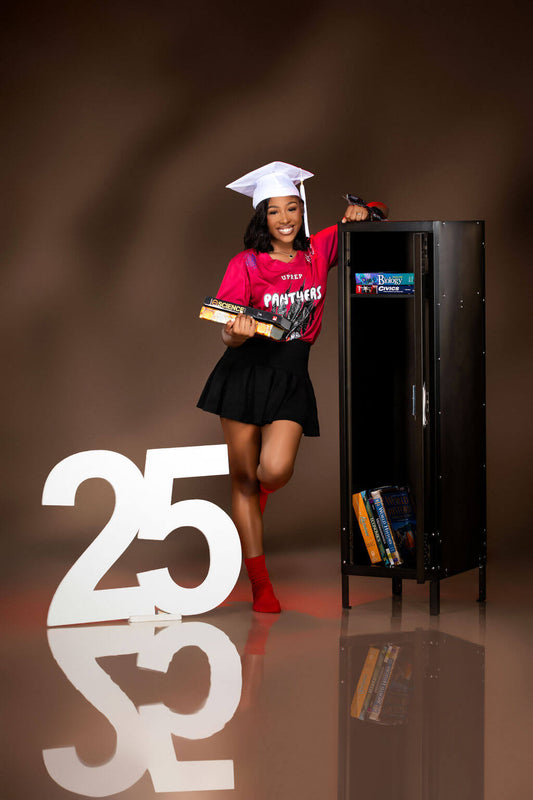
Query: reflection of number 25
143, 507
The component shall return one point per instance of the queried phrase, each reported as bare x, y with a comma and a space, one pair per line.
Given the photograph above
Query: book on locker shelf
381, 543
387, 522
400, 513
384, 283
387, 530
385, 278
365, 528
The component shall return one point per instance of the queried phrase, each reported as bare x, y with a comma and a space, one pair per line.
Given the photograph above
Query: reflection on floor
382, 701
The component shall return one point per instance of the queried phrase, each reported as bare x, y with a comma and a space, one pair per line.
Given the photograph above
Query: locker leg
434, 598
346, 591
482, 584
397, 586
396, 609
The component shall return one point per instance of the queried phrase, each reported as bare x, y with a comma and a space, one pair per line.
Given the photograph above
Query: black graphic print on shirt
298, 305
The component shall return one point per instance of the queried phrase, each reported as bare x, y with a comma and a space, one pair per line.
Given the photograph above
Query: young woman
260, 388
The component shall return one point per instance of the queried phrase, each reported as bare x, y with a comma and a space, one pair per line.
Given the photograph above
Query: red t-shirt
296, 290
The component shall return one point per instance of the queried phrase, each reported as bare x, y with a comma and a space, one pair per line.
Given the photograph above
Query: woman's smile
286, 230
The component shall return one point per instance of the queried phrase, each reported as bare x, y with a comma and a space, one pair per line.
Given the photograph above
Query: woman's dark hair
257, 235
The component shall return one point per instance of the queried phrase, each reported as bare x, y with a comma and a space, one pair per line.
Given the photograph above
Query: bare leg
244, 443
279, 447
256, 455
265, 454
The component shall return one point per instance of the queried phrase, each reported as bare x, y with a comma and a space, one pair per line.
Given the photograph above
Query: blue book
378, 504
401, 516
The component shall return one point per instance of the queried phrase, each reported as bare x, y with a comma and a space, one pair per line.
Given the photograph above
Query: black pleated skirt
262, 381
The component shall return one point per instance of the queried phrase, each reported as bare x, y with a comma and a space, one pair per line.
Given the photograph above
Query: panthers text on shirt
313, 293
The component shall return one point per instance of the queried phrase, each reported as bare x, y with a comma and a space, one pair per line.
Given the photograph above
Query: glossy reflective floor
251, 706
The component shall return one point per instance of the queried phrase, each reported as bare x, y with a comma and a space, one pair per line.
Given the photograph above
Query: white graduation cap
276, 179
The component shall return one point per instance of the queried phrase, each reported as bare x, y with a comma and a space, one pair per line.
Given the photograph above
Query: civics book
386, 289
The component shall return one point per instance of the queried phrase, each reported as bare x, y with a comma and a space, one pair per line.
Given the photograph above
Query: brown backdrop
122, 122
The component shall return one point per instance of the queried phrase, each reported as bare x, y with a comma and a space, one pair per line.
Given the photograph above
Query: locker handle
413, 396
425, 405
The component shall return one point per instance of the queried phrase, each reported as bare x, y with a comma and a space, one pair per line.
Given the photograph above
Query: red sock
263, 497
264, 598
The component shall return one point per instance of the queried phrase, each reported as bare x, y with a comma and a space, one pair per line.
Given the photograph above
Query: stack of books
388, 524
269, 324
385, 686
384, 283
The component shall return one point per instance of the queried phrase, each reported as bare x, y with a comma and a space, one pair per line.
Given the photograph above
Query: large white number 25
143, 507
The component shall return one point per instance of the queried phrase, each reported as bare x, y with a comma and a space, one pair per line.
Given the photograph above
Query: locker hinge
421, 252
347, 250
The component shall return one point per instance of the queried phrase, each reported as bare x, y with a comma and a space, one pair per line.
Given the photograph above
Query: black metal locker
412, 393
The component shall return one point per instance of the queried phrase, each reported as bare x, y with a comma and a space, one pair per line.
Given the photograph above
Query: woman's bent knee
274, 476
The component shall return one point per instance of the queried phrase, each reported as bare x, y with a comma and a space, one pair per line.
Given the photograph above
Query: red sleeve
325, 243
235, 285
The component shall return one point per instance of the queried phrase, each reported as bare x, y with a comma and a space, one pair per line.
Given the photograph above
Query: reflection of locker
436, 751
412, 393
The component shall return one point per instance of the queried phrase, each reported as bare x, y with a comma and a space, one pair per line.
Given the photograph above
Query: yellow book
366, 528
219, 315
364, 681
